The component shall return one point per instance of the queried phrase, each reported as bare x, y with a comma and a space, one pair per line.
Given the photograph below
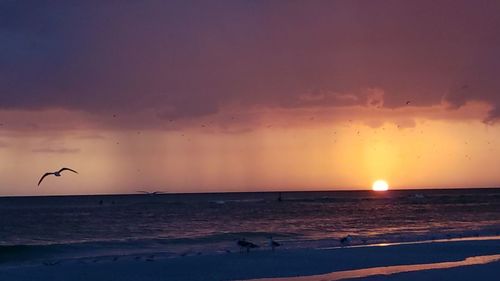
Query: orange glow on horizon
335, 156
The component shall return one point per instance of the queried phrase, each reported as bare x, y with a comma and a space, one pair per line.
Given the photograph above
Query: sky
216, 96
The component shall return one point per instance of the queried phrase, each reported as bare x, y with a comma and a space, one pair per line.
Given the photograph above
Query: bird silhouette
346, 241
246, 245
150, 192
273, 244
57, 174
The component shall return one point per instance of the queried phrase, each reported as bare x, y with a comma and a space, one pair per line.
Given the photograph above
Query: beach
243, 140
194, 236
264, 263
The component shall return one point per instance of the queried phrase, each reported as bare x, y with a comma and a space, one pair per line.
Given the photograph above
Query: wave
83, 249
237, 201
215, 243
406, 198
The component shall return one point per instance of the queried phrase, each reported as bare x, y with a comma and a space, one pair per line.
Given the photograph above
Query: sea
77, 227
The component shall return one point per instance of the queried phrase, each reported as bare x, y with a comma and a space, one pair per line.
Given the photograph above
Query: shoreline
21, 255
259, 264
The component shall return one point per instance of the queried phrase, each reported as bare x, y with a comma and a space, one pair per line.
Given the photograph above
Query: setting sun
380, 185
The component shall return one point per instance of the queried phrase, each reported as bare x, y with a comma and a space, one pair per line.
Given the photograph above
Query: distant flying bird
57, 174
408, 102
246, 244
273, 244
150, 192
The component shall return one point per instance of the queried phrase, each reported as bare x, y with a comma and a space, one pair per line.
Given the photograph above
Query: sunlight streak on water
483, 238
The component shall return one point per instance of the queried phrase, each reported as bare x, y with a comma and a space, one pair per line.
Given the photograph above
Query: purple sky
188, 59
249, 95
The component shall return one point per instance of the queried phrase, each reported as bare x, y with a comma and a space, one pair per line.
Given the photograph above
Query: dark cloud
478, 82
189, 58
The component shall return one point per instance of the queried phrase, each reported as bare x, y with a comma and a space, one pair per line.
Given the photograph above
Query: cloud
91, 137
186, 60
406, 123
56, 150
478, 84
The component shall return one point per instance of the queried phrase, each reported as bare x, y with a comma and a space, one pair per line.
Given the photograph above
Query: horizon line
258, 191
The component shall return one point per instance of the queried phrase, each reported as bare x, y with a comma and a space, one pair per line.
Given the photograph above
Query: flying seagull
150, 192
57, 174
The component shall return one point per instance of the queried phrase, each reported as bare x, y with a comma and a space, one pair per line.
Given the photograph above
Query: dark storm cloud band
187, 59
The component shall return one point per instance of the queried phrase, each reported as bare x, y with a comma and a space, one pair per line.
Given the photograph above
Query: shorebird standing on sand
273, 244
57, 174
246, 244
346, 241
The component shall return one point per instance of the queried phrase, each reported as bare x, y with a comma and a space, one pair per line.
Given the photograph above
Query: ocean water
33, 228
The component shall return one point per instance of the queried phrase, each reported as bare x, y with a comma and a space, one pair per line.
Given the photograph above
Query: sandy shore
268, 264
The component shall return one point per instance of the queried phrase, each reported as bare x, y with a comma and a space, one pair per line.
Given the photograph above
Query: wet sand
265, 263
